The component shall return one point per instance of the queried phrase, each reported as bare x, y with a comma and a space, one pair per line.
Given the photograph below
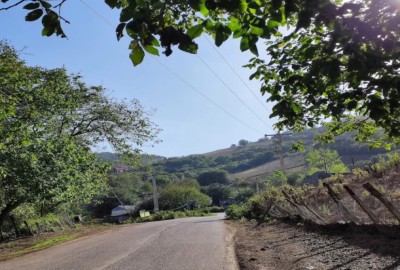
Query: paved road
189, 244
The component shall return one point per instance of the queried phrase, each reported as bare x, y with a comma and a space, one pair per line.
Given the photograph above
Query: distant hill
251, 159
114, 159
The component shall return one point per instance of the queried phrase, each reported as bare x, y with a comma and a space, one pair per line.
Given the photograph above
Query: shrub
236, 211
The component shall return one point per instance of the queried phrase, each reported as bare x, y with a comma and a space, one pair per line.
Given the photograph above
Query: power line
98, 14
237, 75
230, 89
204, 96
179, 77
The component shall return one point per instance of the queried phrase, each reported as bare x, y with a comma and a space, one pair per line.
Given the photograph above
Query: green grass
23, 246
45, 243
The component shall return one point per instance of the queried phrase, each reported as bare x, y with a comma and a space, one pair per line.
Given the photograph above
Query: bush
236, 211
212, 209
165, 215
174, 197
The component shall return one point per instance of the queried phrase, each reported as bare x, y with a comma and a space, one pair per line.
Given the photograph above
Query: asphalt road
188, 243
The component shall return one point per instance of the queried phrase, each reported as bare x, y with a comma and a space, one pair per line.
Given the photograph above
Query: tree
174, 197
47, 126
208, 178
217, 192
326, 160
337, 59
243, 143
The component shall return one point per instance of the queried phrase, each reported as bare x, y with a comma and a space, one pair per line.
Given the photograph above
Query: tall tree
326, 160
48, 125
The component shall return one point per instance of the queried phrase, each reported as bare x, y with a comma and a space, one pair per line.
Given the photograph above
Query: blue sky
190, 123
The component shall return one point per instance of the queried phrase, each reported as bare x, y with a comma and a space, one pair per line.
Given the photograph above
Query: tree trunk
17, 234
7, 210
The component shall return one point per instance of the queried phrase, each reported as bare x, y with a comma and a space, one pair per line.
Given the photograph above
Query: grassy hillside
253, 159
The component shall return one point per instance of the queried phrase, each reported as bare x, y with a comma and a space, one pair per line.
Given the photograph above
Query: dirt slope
289, 247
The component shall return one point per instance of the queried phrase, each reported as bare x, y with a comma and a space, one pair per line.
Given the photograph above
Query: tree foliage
174, 197
326, 160
337, 59
48, 123
212, 177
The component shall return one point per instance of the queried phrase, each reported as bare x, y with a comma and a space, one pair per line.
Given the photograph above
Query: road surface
187, 244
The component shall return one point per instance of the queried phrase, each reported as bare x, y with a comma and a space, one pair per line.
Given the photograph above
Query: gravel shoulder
289, 246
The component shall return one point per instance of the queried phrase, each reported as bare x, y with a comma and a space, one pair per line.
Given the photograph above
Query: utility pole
155, 194
279, 147
280, 151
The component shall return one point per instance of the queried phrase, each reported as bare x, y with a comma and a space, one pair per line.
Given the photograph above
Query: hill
256, 159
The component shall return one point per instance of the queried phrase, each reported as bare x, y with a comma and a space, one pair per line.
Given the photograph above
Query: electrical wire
230, 90
237, 75
179, 77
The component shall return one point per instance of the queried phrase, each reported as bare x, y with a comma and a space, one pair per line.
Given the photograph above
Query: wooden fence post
341, 207
389, 205
300, 209
302, 202
267, 208
282, 210
361, 204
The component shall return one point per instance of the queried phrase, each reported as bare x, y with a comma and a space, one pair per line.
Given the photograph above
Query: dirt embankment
289, 246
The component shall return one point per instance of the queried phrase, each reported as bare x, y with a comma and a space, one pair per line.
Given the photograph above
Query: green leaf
296, 108
203, 9
154, 41
234, 24
119, 30
190, 47
31, 6
34, 15
126, 15
45, 4
50, 19
152, 50
141, 3
111, 3
222, 34
254, 50
244, 44
137, 53
209, 25
48, 30
195, 31
133, 28
256, 30
272, 25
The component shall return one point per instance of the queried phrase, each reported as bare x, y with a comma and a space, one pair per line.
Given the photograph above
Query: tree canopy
326, 59
48, 123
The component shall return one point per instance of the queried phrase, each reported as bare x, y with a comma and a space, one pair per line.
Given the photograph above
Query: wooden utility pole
279, 147
155, 194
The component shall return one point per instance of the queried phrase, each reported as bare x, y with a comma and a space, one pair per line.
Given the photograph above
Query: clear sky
190, 123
